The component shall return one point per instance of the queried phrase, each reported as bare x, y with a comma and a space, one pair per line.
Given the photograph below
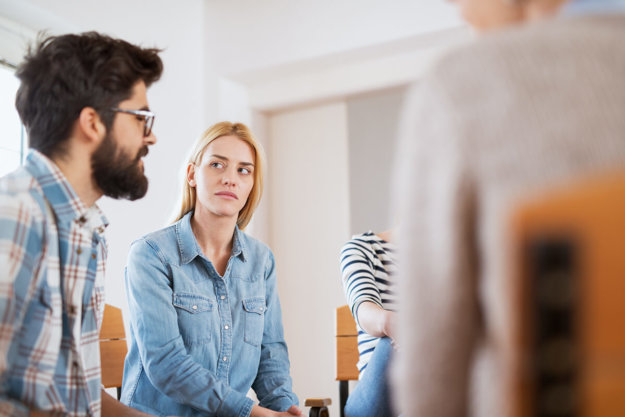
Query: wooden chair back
113, 348
569, 301
346, 352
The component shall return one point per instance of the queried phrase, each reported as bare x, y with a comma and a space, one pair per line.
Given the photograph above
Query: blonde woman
205, 319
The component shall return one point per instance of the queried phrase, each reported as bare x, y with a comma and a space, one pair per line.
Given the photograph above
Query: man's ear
191, 174
90, 125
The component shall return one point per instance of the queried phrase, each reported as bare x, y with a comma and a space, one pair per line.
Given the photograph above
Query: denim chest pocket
195, 317
254, 319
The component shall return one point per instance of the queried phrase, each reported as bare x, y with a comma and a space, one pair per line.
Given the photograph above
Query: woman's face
485, 15
224, 177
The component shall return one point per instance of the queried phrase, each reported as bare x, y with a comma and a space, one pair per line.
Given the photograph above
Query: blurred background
320, 83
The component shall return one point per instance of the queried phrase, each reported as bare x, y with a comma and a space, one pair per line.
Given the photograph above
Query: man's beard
116, 173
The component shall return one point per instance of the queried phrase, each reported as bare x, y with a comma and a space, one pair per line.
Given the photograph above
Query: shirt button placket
226, 319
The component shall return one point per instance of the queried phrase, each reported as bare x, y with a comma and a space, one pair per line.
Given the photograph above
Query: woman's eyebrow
226, 159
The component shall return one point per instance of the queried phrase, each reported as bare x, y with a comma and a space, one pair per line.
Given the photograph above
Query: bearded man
82, 99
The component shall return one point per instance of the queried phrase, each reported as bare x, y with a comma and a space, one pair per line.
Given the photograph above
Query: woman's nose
227, 179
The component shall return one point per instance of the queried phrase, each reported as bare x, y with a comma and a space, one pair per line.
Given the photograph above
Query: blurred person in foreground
534, 102
82, 99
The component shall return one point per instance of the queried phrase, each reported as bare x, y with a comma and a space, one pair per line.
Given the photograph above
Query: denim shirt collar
190, 249
65, 203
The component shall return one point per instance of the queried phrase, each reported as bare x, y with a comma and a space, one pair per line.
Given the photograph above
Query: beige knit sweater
513, 113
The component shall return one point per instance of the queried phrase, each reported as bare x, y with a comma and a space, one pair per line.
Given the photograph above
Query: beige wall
309, 220
373, 120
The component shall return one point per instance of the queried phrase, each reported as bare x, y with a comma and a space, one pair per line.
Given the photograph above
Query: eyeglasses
145, 115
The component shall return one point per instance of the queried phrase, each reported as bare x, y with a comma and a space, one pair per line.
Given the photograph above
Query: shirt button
72, 310
261, 309
79, 251
194, 307
225, 358
226, 327
223, 297
93, 256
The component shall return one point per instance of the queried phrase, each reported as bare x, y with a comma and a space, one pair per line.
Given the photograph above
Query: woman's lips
227, 194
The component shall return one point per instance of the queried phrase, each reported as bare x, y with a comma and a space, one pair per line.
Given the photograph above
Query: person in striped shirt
368, 267
82, 99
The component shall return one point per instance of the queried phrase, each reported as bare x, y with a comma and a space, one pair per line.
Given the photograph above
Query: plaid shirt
52, 255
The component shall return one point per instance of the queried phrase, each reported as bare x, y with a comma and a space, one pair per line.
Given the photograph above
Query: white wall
289, 52
249, 35
373, 121
309, 223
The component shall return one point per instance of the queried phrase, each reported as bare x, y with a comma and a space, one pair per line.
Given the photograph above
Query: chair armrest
318, 406
317, 402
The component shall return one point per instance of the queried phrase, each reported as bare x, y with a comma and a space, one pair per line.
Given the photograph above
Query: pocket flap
192, 303
254, 305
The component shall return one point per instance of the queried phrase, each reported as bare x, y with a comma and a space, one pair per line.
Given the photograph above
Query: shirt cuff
236, 404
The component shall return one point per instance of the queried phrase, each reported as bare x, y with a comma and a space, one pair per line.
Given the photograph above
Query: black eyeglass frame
147, 116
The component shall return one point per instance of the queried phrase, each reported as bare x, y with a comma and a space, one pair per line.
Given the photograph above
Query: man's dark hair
61, 75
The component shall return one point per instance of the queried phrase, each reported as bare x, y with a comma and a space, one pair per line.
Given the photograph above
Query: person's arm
273, 382
155, 323
377, 321
21, 252
438, 311
113, 408
258, 411
362, 293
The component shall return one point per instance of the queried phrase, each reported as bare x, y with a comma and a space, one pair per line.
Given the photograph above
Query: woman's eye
245, 171
216, 165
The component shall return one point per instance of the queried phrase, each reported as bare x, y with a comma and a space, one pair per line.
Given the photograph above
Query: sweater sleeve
438, 314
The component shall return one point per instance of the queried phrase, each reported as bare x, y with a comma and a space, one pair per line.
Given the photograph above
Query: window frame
14, 39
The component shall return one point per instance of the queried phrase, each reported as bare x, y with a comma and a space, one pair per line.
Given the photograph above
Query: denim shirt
199, 341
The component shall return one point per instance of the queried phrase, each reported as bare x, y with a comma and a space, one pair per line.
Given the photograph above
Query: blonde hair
216, 131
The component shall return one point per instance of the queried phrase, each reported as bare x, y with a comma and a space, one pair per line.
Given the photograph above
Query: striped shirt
368, 267
52, 255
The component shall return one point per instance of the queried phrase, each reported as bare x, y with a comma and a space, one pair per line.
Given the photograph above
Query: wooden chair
346, 360
346, 353
569, 301
113, 348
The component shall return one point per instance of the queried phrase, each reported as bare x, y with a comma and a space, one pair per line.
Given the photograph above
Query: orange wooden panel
113, 347
346, 358
345, 324
346, 345
112, 323
592, 214
605, 395
112, 355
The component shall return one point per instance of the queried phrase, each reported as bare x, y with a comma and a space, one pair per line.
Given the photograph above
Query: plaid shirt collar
65, 203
